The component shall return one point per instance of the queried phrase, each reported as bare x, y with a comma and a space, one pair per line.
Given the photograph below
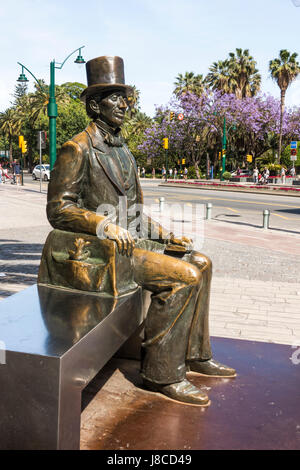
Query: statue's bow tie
113, 141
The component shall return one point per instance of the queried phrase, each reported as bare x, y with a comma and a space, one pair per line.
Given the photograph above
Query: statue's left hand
183, 241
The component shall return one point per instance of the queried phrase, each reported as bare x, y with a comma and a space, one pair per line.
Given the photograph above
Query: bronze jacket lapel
103, 156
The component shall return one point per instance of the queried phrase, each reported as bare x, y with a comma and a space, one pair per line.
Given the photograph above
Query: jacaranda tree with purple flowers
252, 128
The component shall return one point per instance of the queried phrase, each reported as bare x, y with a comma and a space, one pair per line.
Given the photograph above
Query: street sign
180, 116
293, 158
294, 144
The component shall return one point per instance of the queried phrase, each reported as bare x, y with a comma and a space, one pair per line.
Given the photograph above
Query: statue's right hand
122, 238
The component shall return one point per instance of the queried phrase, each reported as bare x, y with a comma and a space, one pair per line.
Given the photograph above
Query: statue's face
112, 108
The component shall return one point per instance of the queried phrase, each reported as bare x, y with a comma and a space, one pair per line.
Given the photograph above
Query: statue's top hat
105, 73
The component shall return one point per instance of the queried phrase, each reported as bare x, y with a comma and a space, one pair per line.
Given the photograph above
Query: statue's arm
63, 208
155, 231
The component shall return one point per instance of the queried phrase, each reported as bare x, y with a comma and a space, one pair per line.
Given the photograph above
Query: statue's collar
111, 136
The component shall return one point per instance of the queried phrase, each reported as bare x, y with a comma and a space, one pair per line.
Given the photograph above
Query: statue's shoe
211, 368
183, 392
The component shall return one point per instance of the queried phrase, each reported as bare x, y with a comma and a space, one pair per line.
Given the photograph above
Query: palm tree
237, 74
10, 125
219, 77
32, 106
141, 122
283, 70
39, 100
133, 101
246, 78
189, 83
136, 125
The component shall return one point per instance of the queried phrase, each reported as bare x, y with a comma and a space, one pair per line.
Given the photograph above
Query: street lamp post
224, 142
52, 114
52, 106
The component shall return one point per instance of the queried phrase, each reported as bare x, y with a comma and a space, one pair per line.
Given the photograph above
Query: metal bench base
55, 341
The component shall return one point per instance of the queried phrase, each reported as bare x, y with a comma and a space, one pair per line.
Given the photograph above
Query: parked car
244, 173
41, 169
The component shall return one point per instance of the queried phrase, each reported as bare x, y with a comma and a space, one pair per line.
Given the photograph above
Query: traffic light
21, 140
172, 115
24, 146
41, 139
224, 152
183, 161
220, 155
165, 142
249, 158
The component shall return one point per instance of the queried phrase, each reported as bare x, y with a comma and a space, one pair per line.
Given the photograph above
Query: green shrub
226, 175
273, 169
191, 173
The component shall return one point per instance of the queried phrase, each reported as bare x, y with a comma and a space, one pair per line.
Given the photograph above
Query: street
229, 207
232, 207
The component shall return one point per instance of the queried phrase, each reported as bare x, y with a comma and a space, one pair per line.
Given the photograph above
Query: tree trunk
10, 150
197, 170
30, 160
282, 101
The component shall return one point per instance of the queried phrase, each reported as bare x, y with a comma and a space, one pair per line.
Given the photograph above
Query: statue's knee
193, 276
201, 261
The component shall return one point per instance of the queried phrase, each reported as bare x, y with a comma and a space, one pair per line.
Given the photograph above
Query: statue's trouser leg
199, 341
176, 290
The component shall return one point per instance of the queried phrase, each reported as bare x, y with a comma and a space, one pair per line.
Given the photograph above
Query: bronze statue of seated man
94, 170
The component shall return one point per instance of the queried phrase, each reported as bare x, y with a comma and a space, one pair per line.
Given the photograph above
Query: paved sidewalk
256, 281
256, 310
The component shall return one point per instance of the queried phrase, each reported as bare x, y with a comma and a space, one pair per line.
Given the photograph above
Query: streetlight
52, 106
224, 140
224, 143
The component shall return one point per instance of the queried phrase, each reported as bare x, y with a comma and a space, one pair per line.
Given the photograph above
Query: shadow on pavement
295, 210
17, 250
256, 226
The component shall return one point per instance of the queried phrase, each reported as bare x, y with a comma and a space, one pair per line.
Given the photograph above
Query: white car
41, 169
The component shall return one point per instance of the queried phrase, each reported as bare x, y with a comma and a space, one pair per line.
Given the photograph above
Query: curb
271, 192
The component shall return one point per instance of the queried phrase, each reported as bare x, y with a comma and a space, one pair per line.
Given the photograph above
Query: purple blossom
256, 120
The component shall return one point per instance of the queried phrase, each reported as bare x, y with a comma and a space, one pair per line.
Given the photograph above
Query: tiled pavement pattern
256, 310
256, 282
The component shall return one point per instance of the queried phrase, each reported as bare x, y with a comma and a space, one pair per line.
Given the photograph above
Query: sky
158, 39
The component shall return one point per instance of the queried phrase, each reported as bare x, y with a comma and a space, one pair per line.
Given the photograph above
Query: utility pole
224, 141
